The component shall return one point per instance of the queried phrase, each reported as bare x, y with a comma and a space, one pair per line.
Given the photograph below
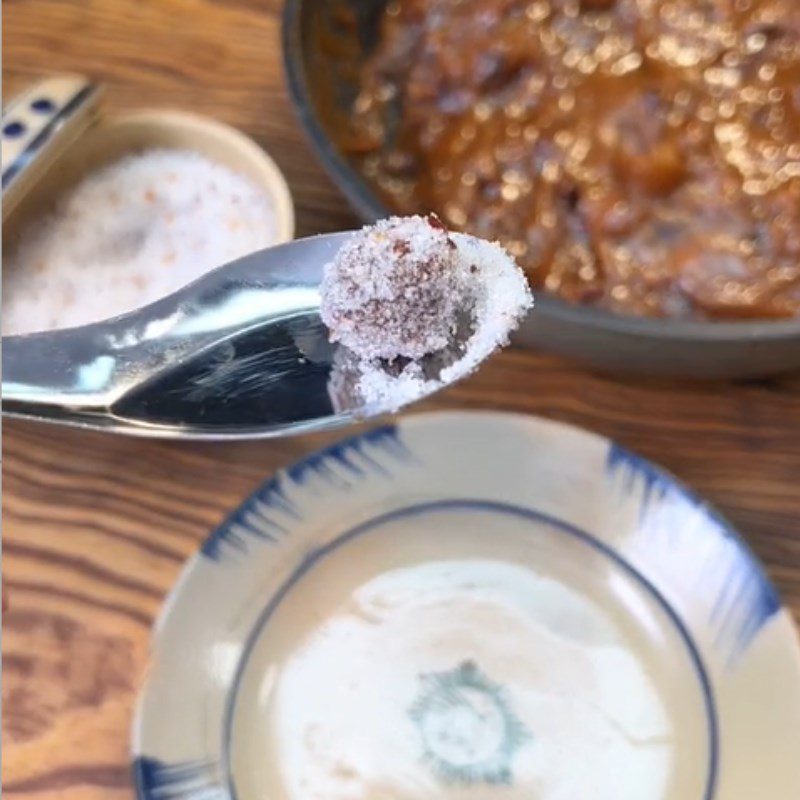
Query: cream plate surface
472, 605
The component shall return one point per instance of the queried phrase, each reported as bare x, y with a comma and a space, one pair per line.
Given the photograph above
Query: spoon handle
81, 374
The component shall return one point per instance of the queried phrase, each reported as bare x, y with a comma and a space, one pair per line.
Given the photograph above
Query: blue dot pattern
43, 105
13, 129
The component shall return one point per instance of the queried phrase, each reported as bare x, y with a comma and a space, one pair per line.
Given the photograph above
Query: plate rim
651, 470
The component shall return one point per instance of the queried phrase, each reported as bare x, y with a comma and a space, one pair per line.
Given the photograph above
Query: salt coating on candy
417, 307
395, 290
131, 233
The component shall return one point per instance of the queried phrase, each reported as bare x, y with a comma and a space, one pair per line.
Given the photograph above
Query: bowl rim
367, 205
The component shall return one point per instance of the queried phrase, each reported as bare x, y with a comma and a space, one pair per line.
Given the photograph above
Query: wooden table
97, 527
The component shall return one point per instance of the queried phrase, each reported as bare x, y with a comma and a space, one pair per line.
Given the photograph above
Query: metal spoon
240, 353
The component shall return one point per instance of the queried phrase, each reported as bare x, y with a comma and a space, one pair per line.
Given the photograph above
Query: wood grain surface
97, 527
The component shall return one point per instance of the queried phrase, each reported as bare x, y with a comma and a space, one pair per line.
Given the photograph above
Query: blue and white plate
472, 606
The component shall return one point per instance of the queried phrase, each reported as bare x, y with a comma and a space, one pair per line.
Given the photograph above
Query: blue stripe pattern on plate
269, 514
742, 599
190, 780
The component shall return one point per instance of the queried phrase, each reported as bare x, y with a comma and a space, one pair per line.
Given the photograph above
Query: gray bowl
322, 88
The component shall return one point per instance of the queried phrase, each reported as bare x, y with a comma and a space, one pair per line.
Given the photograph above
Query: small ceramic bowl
54, 135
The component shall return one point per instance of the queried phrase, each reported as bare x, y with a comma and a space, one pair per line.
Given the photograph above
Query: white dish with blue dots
472, 605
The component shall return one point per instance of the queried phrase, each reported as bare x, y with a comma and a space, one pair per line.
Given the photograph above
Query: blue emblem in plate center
469, 732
